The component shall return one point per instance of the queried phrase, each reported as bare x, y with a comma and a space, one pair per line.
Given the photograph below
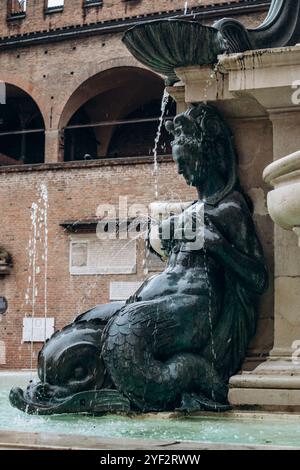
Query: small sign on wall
2, 353
37, 329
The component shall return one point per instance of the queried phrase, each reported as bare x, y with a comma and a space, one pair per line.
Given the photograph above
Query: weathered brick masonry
78, 12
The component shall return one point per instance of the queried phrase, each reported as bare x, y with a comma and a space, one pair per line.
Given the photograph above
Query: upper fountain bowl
165, 45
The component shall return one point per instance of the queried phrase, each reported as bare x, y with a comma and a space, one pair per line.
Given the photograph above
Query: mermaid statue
177, 341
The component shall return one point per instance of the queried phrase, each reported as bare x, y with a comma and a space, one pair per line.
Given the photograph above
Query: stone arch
117, 89
30, 88
81, 93
23, 124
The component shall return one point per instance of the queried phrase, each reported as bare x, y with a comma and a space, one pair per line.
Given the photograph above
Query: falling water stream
164, 104
37, 254
44, 223
33, 257
209, 310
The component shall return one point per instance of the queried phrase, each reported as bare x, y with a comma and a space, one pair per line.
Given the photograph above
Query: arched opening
22, 129
116, 114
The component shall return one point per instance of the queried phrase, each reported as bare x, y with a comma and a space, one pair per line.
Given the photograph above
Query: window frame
92, 3
53, 9
14, 15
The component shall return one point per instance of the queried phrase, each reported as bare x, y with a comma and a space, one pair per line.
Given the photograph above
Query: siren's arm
236, 246
155, 242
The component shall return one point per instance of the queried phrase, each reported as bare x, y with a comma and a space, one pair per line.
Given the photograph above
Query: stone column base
272, 386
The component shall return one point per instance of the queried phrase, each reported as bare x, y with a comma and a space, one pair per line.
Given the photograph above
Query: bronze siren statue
178, 340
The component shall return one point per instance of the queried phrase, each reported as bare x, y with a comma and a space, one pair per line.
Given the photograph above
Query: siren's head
202, 144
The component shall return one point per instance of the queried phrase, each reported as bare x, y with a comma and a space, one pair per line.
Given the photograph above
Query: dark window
3, 305
22, 136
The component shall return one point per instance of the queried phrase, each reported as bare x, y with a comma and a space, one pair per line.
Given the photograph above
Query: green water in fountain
268, 429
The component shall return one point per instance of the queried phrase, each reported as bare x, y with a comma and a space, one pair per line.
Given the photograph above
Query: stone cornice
279, 56
120, 25
85, 165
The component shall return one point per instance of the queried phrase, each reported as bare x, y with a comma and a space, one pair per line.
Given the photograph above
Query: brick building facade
79, 119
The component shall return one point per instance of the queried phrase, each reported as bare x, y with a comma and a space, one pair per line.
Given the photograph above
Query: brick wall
38, 19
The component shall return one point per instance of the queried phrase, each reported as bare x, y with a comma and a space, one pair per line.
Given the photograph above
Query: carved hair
215, 140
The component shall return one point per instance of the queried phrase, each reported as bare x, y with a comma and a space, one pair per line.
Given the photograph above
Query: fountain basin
231, 430
284, 200
165, 45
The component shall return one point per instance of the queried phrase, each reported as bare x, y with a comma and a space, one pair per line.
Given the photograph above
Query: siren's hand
166, 234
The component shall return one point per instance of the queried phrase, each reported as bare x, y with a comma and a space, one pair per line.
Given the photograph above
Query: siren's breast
185, 277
